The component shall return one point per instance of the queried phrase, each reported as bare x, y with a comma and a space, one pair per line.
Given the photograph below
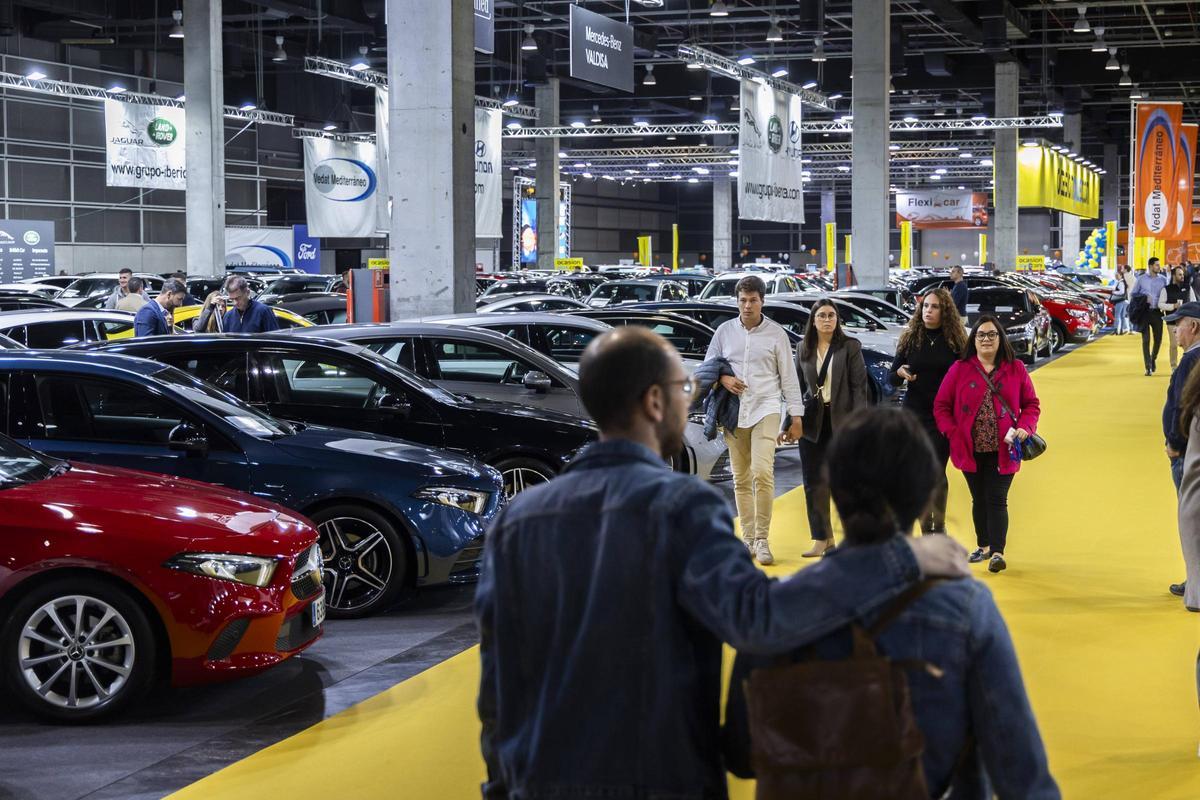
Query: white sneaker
749, 542
762, 553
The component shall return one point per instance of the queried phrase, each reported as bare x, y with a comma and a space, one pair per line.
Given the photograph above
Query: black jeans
1153, 324
934, 520
989, 501
816, 487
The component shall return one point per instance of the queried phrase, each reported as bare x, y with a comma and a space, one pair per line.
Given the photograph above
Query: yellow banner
1110, 245
644, 251
906, 245
1046, 179
983, 248
849, 260
1160, 251
675, 247
378, 263
830, 246
568, 264
1031, 263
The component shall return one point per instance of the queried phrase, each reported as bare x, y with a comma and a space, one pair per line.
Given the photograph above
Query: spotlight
528, 44
746, 60
280, 53
510, 101
774, 33
329, 126
780, 71
1125, 79
818, 55
1081, 24
360, 64
1112, 64
35, 75
718, 9
649, 80
177, 28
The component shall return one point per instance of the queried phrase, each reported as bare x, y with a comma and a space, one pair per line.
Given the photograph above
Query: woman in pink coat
985, 430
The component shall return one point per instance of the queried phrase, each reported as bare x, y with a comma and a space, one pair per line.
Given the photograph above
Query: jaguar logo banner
489, 180
144, 146
1046, 179
341, 188
1156, 148
942, 209
770, 175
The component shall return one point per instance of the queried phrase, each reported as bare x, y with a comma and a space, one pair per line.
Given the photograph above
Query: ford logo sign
344, 180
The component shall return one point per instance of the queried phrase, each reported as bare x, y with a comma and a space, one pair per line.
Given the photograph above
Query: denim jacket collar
612, 452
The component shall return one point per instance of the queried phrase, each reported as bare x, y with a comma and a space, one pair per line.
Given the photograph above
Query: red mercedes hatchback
111, 579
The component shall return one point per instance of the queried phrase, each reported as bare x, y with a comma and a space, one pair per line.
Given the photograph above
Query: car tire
522, 473
108, 677
1058, 336
365, 560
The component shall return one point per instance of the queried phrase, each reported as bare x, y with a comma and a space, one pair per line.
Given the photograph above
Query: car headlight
465, 499
1077, 314
250, 570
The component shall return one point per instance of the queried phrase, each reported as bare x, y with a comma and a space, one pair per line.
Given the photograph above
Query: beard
670, 438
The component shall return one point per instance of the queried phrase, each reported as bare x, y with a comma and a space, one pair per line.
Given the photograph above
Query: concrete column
1004, 229
1110, 184
431, 144
1069, 223
722, 254
547, 176
204, 120
870, 200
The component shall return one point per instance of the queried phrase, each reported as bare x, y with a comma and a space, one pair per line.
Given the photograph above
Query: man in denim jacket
606, 593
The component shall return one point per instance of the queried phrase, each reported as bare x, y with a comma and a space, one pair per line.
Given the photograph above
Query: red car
111, 579
1070, 320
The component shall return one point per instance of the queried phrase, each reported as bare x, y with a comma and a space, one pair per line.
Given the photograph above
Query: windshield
513, 287
246, 419
86, 287
409, 377
19, 465
996, 301
725, 287
636, 292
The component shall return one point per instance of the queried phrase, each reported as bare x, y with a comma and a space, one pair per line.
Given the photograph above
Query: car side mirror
537, 381
393, 404
187, 438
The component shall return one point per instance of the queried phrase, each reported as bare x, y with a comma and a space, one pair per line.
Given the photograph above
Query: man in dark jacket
1187, 334
601, 675
153, 318
958, 291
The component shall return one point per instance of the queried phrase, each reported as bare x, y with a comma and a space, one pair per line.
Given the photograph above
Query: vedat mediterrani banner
1156, 151
341, 188
144, 146
770, 174
1046, 179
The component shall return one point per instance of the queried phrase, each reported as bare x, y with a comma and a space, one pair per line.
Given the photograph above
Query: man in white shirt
760, 353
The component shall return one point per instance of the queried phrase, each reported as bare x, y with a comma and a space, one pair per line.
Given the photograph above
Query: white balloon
891, 256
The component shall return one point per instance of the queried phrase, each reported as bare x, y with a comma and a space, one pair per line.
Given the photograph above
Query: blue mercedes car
390, 514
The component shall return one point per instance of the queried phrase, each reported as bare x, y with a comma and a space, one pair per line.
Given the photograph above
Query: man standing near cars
760, 354
1149, 285
606, 681
134, 297
958, 291
1186, 324
122, 288
247, 315
154, 318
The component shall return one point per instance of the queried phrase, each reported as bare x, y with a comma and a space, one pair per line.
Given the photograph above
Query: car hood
358, 451
482, 405
165, 511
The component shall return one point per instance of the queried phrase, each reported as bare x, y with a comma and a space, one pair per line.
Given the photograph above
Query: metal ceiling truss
808, 126
313, 133
9, 80
728, 67
374, 78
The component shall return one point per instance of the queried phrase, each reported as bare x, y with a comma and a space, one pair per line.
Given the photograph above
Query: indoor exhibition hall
577, 399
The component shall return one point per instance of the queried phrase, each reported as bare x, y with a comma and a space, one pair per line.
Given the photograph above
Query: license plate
318, 611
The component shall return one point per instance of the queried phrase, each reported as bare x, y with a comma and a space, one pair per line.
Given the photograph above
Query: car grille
228, 639
307, 584
296, 631
466, 566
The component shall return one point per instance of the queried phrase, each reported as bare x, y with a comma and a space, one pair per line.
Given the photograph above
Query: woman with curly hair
934, 339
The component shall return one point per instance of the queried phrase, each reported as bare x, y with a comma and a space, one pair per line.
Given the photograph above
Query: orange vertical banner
1157, 133
1185, 174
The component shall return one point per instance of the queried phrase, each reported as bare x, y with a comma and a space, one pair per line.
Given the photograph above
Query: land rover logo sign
775, 134
340, 187
161, 131
344, 180
31, 238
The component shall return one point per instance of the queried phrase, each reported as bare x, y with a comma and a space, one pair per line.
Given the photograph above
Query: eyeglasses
826, 315
987, 335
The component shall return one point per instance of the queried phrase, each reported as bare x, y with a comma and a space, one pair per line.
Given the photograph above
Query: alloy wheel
518, 479
358, 562
76, 652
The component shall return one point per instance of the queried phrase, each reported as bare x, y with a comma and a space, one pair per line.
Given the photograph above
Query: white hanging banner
489, 180
383, 208
267, 247
340, 188
770, 174
144, 146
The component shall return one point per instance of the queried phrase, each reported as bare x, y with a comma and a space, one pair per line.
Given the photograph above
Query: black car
15, 301
552, 285
712, 313
319, 308
690, 337
1023, 317
330, 382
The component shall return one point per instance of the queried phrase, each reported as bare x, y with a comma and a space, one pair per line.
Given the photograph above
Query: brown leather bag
839, 730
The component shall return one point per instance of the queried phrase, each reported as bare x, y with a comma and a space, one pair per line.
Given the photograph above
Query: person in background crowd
246, 316
134, 297
1172, 296
984, 437
122, 288
1150, 285
958, 291
760, 353
648, 567
1186, 324
154, 318
190, 299
744, 256
933, 340
1122, 286
980, 734
834, 376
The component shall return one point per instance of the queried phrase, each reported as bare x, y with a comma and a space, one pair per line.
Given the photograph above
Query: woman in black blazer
833, 376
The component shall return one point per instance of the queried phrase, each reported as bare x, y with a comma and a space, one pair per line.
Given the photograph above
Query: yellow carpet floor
1109, 657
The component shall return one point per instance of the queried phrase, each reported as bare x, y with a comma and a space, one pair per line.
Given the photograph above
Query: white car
101, 284
55, 328
725, 284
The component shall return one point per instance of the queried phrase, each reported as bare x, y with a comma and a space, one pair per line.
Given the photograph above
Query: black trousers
816, 487
1154, 325
934, 520
989, 501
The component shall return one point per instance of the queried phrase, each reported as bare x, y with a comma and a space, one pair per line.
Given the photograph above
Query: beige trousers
752, 459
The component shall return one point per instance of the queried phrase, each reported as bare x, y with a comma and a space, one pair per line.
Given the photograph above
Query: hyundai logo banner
26, 249
144, 146
340, 187
306, 250
489, 180
770, 174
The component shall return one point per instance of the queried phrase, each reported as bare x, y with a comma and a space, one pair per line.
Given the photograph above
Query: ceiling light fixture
116, 88
780, 71
329, 126
35, 75
1125, 79
1135, 93
1099, 46
910, 119
809, 85
746, 60
718, 9
280, 53
513, 125
596, 112
528, 44
836, 96
1112, 65
510, 101
649, 80
1081, 24
641, 123
774, 33
360, 64
695, 98
818, 55
177, 28
578, 124
247, 106
709, 119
